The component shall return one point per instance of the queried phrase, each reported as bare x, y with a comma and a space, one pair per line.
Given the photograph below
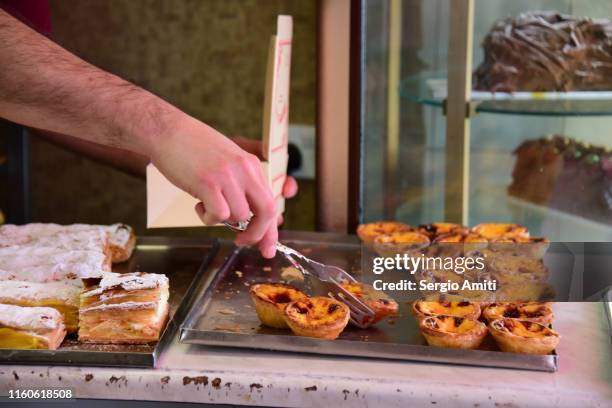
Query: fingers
267, 245
264, 209
217, 210
236, 199
290, 188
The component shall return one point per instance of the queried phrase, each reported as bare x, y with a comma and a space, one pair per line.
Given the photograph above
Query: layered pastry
522, 336
368, 232
423, 309
319, 317
62, 296
123, 308
493, 231
408, 242
453, 332
30, 327
381, 303
534, 312
565, 174
270, 300
118, 238
45, 264
546, 51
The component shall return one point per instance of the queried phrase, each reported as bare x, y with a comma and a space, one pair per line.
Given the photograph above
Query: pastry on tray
525, 292
61, 295
129, 308
531, 247
45, 264
368, 232
533, 312
522, 336
381, 303
408, 242
30, 327
320, 317
453, 332
493, 231
438, 229
423, 309
118, 239
270, 300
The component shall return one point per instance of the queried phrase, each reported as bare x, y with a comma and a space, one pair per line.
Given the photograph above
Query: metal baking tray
223, 315
182, 260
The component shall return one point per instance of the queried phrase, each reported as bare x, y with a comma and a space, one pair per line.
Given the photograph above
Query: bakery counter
192, 373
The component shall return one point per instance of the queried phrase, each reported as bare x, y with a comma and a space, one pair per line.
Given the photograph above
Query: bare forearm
121, 159
44, 86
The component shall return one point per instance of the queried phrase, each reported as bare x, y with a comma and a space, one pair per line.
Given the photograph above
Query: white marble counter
206, 374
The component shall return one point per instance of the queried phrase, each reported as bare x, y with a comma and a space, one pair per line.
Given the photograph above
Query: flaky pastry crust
422, 309
522, 336
381, 303
320, 317
270, 300
453, 332
368, 232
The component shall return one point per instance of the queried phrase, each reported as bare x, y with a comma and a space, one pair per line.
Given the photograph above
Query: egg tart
525, 292
453, 332
512, 269
423, 309
270, 300
382, 304
438, 229
534, 312
320, 317
368, 232
496, 231
407, 242
522, 336
531, 247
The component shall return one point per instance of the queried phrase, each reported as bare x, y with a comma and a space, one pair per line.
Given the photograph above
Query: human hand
290, 188
227, 179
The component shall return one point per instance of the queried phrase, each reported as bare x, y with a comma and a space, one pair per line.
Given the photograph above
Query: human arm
44, 86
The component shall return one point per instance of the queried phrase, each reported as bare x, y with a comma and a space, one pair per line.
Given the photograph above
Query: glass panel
560, 186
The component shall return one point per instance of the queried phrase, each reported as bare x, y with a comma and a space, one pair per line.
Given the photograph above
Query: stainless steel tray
223, 315
182, 260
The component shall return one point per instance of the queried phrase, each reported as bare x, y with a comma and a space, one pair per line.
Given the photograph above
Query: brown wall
206, 56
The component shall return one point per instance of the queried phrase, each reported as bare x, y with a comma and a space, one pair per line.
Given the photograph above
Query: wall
208, 57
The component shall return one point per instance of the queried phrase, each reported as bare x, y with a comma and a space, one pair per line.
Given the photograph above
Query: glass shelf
430, 89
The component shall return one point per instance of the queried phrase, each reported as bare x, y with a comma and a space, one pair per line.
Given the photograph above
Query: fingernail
269, 252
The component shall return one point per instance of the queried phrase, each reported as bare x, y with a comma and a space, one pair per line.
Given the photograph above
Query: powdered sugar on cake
129, 282
66, 292
29, 318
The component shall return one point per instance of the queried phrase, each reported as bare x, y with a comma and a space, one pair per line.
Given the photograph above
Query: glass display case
488, 111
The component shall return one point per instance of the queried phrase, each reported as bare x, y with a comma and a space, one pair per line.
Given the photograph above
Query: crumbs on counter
238, 274
291, 273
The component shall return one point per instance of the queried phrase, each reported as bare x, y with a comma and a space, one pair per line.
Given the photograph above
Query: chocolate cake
562, 173
546, 51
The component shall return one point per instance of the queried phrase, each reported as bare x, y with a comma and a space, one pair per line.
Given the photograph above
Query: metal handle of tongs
289, 253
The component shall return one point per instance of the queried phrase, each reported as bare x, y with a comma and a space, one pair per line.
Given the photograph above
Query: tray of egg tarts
251, 302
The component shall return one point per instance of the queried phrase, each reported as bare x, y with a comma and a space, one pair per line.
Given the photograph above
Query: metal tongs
324, 279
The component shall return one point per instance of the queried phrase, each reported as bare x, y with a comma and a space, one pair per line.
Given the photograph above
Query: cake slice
62, 296
118, 239
30, 327
123, 308
45, 264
